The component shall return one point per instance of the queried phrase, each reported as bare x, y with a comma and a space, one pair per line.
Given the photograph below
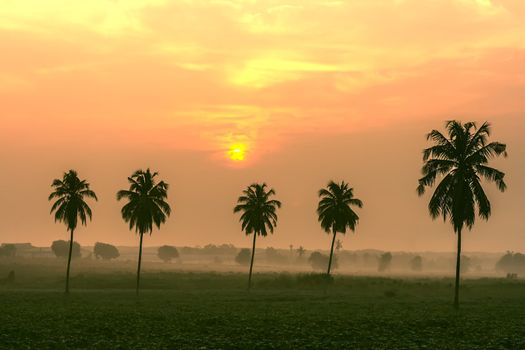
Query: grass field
214, 311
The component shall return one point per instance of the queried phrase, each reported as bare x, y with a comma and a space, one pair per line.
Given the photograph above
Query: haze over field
218, 94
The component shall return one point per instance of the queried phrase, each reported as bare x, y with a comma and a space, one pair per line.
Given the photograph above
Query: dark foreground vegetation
214, 311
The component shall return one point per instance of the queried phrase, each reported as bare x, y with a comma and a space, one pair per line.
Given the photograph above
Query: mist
203, 192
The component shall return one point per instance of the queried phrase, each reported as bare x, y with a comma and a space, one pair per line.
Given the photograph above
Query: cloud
257, 70
102, 16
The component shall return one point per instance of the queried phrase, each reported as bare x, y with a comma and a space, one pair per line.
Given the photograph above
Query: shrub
243, 257
319, 261
61, 249
167, 252
105, 251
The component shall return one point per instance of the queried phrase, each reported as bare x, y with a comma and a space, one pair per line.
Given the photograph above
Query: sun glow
237, 152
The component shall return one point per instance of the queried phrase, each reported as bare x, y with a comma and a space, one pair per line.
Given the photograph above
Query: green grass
214, 311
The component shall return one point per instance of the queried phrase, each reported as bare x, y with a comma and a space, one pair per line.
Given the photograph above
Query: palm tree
301, 251
461, 161
258, 214
335, 211
146, 206
70, 206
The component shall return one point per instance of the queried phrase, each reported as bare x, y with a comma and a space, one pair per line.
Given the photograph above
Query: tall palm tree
146, 206
69, 206
335, 211
460, 159
259, 214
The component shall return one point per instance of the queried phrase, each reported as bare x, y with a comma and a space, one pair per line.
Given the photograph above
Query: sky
216, 95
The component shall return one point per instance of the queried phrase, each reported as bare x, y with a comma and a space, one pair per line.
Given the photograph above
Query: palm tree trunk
251, 262
69, 261
458, 271
140, 260
331, 253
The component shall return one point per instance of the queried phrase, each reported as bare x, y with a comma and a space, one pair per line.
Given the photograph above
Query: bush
8, 250
244, 257
105, 251
319, 261
167, 252
61, 249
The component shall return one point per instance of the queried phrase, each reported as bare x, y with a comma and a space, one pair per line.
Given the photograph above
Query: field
204, 310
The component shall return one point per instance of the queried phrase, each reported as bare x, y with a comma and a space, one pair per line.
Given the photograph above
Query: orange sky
310, 90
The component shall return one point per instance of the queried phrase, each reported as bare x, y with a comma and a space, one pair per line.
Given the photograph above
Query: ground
215, 311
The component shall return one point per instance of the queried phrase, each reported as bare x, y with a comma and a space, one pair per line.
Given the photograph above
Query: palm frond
258, 209
146, 205
459, 161
70, 205
334, 209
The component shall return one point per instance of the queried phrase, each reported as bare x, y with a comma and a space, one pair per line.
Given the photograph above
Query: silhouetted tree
259, 214
416, 263
146, 206
8, 250
385, 260
461, 161
511, 263
336, 213
167, 252
105, 251
300, 251
318, 261
69, 206
338, 245
243, 258
61, 249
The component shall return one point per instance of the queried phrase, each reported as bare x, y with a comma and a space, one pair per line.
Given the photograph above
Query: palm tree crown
461, 160
146, 202
69, 206
258, 210
335, 208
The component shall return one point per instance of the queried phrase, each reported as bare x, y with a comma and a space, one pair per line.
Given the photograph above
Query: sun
237, 152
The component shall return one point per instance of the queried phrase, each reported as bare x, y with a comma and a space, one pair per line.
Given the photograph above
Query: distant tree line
7, 250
